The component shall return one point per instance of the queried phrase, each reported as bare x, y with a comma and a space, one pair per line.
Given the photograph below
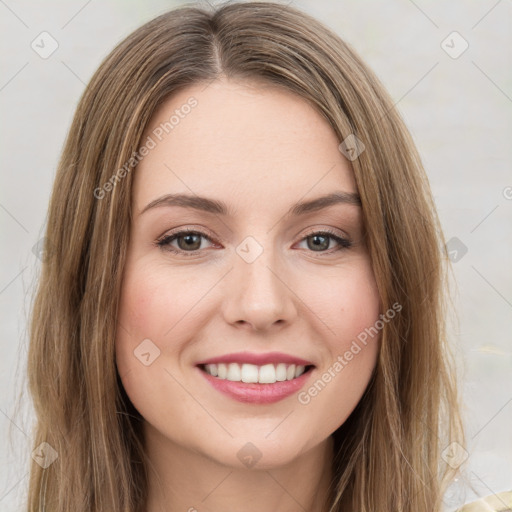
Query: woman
243, 304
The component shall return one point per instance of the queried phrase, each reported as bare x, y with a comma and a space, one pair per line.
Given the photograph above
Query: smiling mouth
255, 374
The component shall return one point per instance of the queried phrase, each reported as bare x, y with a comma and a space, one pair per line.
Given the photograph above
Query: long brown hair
388, 452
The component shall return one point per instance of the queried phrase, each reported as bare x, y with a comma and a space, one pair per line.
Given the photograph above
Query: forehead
243, 141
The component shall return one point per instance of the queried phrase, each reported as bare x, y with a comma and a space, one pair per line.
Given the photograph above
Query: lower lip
257, 393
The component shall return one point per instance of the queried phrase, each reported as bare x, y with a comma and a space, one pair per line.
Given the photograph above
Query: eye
189, 242
319, 241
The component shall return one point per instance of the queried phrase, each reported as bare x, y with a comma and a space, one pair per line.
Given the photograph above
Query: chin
257, 453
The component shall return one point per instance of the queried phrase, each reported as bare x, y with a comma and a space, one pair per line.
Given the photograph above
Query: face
272, 296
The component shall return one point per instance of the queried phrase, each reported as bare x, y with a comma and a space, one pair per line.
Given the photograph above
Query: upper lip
257, 359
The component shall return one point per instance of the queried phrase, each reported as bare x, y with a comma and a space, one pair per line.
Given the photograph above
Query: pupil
315, 244
190, 240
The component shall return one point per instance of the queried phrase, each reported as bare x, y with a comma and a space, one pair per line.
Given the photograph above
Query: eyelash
165, 241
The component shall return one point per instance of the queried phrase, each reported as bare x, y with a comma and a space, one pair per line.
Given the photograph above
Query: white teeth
212, 370
281, 372
251, 373
222, 371
267, 374
290, 372
233, 372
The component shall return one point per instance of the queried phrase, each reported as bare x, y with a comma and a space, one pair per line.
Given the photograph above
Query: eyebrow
220, 208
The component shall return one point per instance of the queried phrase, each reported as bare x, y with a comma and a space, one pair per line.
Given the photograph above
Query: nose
257, 294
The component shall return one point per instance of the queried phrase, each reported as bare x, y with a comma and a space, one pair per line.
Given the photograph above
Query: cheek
360, 305
356, 345
148, 311
158, 313
145, 315
347, 302
156, 304
349, 305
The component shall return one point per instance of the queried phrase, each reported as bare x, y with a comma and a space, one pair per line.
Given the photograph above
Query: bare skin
260, 150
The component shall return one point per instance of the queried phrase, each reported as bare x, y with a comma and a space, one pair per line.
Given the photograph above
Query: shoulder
500, 502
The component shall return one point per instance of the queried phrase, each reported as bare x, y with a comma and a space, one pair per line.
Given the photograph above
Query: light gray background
458, 110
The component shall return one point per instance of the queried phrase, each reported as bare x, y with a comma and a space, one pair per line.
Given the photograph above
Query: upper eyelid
180, 231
